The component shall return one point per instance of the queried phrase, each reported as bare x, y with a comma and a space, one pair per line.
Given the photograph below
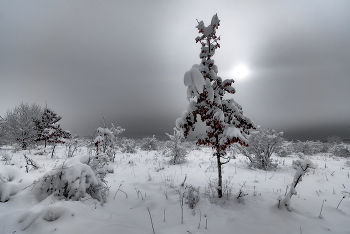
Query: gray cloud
125, 61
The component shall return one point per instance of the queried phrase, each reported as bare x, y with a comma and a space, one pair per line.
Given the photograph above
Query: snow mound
11, 181
71, 179
42, 212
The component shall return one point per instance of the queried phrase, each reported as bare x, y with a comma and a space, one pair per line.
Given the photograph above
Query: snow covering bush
192, 196
73, 179
6, 157
285, 149
347, 164
10, 181
310, 147
177, 152
211, 188
107, 140
128, 146
19, 124
149, 143
303, 167
341, 150
262, 144
72, 145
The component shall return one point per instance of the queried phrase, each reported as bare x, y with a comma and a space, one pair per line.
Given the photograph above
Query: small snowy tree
43, 125
72, 144
2, 131
262, 144
128, 146
303, 168
107, 140
224, 117
149, 143
177, 152
20, 126
55, 135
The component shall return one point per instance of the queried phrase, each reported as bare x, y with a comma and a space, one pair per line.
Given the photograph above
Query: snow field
25, 213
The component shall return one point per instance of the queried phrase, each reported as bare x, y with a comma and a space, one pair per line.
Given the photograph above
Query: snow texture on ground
143, 184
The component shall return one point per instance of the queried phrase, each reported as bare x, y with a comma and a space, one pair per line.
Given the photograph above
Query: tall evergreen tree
224, 117
47, 121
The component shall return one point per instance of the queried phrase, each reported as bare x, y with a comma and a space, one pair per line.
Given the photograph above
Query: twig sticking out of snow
120, 191
200, 219
206, 221
30, 162
183, 183
151, 220
320, 216
279, 200
138, 192
340, 201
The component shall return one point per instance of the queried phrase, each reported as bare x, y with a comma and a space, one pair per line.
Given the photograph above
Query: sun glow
240, 71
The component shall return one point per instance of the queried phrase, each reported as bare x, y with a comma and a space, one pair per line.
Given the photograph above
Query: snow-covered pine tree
224, 117
177, 151
43, 125
55, 135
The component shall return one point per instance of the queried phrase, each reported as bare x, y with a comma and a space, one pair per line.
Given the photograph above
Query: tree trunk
53, 150
45, 143
219, 173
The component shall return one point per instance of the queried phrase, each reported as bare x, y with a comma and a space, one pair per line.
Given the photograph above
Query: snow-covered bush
6, 157
19, 124
128, 146
211, 188
285, 149
72, 144
309, 147
192, 196
303, 167
262, 144
149, 143
341, 150
107, 140
177, 152
347, 163
72, 180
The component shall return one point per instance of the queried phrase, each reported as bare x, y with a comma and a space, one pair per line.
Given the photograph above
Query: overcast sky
125, 60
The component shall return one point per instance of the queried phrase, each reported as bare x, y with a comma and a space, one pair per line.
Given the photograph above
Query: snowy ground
126, 211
